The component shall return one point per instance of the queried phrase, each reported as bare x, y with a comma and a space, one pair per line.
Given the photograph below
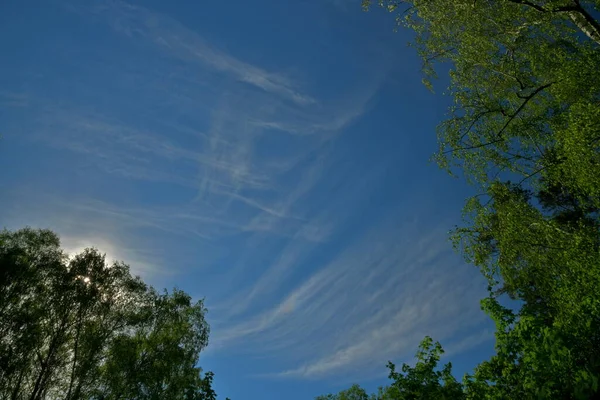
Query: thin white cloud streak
372, 303
174, 38
468, 341
347, 108
10, 99
145, 155
228, 172
306, 240
131, 152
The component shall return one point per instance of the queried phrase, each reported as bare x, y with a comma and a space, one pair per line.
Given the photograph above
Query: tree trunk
579, 15
44, 372
75, 352
17, 388
586, 23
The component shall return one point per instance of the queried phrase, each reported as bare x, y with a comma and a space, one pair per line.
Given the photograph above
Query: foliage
355, 392
535, 359
525, 130
521, 73
423, 381
78, 328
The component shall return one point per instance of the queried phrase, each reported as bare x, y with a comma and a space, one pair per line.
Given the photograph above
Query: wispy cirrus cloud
230, 187
169, 151
250, 165
180, 42
374, 301
11, 99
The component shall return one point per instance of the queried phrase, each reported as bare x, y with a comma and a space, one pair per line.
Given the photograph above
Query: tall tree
79, 328
524, 78
525, 129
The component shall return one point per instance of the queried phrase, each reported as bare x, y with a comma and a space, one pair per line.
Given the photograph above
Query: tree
522, 76
534, 359
526, 108
78, 328
423, 381
355, 392
525, 130
29, 261
157, 360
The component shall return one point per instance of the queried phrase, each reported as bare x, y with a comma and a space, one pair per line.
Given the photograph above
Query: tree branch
579, 15
474, 147
529, 4
585, 22
522, 106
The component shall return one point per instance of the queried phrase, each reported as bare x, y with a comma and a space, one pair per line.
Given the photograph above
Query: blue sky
269, 156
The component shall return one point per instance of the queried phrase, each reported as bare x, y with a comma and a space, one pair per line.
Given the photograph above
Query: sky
271, 157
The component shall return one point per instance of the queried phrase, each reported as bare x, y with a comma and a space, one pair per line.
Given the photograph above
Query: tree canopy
524, 129
79, 328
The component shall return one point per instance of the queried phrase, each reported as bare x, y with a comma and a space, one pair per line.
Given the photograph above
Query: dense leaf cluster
79, 328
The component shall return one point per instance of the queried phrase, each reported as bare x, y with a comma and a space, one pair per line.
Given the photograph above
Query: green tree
78, 328
28, 260
355, 392
525, 130
524, 82
423, 381
157, 360
534, 359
